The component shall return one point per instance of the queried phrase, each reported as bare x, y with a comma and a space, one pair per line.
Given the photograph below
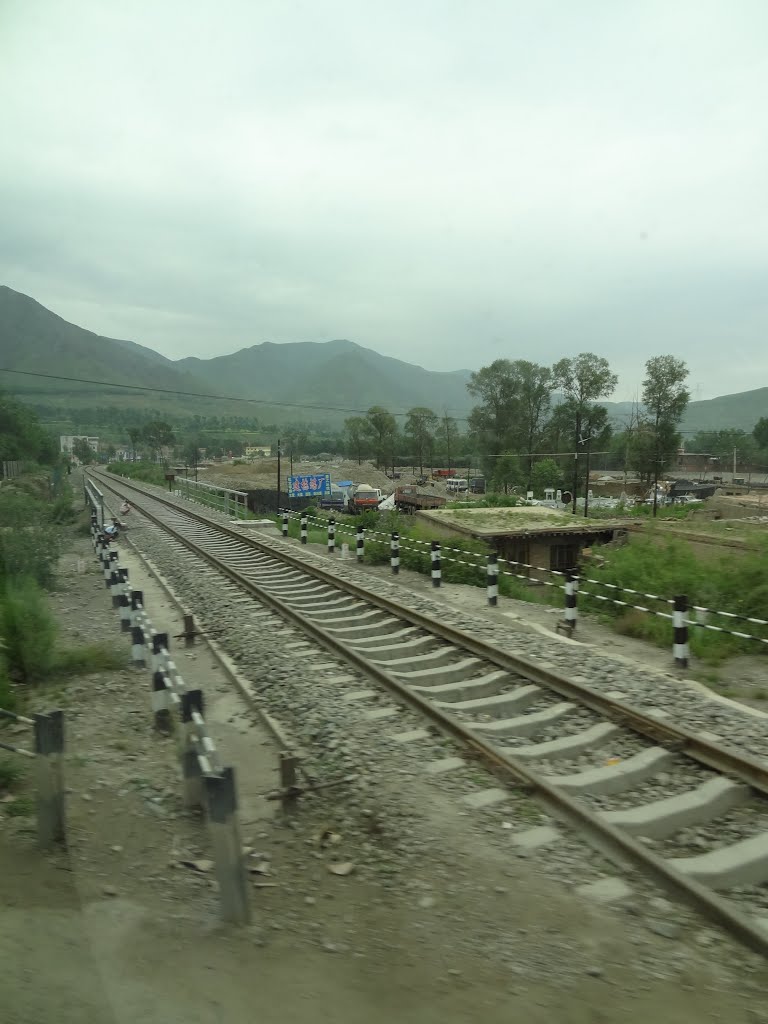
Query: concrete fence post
161, 703
115, 586
437, 572
221, 804
124, 600
160, 649
493, 579
285, 525
394, 553
137, 606
571, 584
138, 648
192, 783
49, 769
360, 544
331, 536
303, 528
680, 647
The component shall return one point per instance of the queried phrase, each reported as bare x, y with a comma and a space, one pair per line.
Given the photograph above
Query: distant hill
35, 339
333, 374
741, 411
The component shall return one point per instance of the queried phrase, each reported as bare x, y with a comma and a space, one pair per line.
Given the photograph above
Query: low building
255, 451
531, 535
67, 440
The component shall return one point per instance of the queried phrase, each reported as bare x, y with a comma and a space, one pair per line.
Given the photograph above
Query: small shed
537, 536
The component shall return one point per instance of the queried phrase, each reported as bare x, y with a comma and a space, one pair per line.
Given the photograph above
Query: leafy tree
721, 444
355, 437
136, 434
507, 472
157, 434
82, 451
760, 433
545, 473
665, 397
21, 435
583, 380
449, 433
420, 427
381, 428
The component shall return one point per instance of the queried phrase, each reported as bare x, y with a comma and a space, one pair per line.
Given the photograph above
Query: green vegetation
149, 472
11, 773
673, 569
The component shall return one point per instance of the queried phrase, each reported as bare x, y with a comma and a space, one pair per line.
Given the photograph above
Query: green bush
149, 472
673, 569
28, 630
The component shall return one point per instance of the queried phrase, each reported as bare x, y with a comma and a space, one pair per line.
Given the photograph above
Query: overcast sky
446, 182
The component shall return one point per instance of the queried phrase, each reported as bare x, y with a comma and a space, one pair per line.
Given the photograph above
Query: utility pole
734, 463
586, 485
279, 455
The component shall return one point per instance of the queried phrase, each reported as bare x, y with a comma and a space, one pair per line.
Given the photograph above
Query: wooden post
49, 748
189, 630
288, 765
221, 803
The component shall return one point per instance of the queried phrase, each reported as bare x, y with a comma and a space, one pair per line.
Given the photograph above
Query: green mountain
33, 338
340, 374
308, 378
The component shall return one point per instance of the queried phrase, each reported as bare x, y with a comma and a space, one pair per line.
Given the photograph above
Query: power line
198, 394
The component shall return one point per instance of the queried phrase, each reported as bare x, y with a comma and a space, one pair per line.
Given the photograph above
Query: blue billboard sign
309, 485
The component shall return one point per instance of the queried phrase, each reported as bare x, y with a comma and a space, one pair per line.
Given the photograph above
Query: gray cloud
447, 183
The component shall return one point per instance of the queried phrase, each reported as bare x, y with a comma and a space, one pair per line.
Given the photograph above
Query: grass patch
21, 807
81, 661
11, 772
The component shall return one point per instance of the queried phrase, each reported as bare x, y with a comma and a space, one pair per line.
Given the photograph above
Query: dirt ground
114, 930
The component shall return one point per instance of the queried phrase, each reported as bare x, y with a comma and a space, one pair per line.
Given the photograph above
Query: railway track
684, 809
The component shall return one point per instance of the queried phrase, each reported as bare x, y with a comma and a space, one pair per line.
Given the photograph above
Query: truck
336, 499
443, 474
410, 499
365, 497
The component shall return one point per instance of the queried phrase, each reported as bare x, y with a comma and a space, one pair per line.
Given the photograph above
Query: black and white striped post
303, 528
137, 606
49, 769
159, 651
437, 571
115, 586
285, 525
192, 777
125, 601
138, 655
571, 585
493, 579
221, 805
360, 544
680, 627
161, 702
394, 553
331, 536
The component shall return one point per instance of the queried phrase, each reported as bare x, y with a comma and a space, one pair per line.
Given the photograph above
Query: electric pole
278, 474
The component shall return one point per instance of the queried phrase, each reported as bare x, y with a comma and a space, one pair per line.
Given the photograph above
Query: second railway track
690, 812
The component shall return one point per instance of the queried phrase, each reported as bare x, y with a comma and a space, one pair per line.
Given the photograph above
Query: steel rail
619, 845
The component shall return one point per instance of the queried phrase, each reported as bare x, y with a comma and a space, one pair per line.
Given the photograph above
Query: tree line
533, 423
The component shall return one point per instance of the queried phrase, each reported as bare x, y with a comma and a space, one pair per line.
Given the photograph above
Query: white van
456, 484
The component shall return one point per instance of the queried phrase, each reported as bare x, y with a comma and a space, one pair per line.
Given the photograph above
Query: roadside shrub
30, 551
28, 630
